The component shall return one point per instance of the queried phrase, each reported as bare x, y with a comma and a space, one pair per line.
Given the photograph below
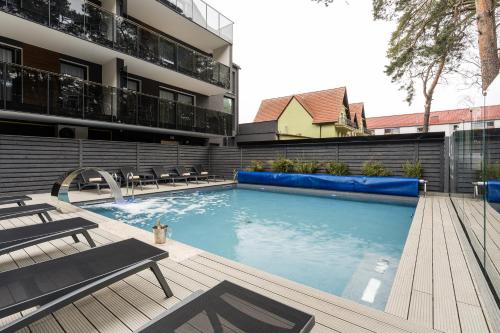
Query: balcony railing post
137, 107
4, 84
48, 94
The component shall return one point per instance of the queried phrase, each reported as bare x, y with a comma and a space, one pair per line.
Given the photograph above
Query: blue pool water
344, 247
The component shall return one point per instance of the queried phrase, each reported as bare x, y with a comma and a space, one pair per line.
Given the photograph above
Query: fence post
137, 157
80, 153
241, 158
178, 154
416, 151
446, 165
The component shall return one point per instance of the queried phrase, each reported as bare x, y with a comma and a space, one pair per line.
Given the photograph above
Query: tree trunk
427, 113
487, 40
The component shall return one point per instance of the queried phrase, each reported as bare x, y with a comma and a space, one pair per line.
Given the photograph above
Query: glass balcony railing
85, 20
31, 90
204, 15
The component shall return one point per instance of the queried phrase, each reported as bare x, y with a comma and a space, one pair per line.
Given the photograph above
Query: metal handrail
130, 174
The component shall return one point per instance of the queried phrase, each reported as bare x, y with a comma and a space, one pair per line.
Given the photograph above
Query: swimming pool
350, 248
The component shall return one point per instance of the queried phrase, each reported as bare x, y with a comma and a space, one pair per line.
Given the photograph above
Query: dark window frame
75, 64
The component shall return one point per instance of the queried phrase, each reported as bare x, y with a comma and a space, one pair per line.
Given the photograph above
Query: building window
10, 54
228, 105
490, 124
185, 99
167, 94
176, 96
391, 131
6, 55
233, 81
134, 85
74, 70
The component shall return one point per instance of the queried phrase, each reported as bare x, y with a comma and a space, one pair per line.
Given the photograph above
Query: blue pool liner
378, 185
494, 191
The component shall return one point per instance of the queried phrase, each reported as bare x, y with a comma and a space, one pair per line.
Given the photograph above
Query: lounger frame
64, 299
71, 232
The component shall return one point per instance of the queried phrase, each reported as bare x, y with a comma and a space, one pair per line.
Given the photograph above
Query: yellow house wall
296, 122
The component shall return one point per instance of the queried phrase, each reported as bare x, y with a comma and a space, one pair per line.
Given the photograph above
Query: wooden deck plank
445, 305
421, 309
317, 301
399, 299
422, 280
486, 298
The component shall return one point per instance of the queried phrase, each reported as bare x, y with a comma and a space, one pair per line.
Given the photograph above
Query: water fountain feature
60, 188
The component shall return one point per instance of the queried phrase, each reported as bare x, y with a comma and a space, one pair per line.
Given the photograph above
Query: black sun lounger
17, 199
182, 171
161, 173
230, 308
203, 171
56, 283
131, 175
40, 209
19, 238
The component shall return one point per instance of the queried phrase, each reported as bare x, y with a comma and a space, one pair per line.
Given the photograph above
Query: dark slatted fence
392, 151
33, 164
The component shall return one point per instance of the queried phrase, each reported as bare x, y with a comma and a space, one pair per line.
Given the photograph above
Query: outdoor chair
199, 169
192, 170
21, 237
42, 210
228, 307
54, 284
131, 175
91, 178
182, 171
20, 200
162, 174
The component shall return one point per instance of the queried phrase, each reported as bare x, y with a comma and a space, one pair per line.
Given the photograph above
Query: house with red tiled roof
446, 121
318, 114
357, 111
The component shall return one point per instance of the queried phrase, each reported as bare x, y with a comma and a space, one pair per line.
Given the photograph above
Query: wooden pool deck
436, 287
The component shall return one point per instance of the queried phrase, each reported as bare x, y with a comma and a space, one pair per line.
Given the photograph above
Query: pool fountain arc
61, 188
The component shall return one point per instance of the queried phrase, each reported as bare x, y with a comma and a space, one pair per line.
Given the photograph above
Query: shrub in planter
282, 164
413, 169
493, 171
306, 167
375, 169
256, 166
337, 169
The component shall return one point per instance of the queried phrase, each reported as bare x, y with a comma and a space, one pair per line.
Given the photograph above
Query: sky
286, 47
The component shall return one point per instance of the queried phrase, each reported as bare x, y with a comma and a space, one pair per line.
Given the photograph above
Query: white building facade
440, 121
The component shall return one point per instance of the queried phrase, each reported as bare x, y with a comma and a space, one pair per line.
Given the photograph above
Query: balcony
91, 23
204, 15
346, 122
30, 90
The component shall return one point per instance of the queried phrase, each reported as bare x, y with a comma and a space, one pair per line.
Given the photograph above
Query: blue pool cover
494, 190
379, 185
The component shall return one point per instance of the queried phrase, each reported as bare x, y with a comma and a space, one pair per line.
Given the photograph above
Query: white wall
447, 128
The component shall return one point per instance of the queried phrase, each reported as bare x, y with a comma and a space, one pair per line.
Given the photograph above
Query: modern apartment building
132, 70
